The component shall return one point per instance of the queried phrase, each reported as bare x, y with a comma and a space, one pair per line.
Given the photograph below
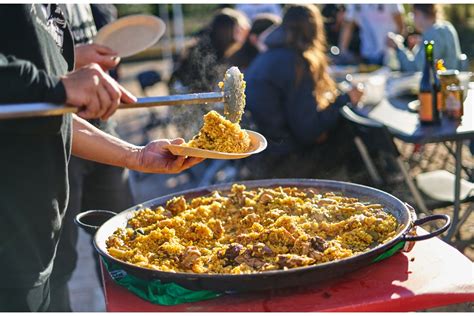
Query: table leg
457, 191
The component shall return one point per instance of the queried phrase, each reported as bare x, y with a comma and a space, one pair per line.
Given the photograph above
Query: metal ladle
232, 95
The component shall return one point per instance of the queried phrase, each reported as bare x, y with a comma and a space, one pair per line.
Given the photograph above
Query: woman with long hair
295, 103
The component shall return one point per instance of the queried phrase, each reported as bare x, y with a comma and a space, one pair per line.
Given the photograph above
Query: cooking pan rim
277, 182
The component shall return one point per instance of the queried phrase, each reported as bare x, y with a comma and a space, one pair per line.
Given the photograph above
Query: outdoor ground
85, 287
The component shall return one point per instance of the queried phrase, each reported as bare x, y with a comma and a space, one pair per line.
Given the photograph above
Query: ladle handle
10, 111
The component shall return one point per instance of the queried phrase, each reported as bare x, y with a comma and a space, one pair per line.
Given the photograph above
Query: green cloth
389, 252
155, 291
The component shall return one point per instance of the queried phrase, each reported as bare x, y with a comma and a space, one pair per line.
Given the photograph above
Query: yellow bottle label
425, 110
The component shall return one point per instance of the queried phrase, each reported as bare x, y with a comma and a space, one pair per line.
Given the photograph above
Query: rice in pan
248, 231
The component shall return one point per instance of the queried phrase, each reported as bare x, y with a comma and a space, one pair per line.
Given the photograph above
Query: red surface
433, 274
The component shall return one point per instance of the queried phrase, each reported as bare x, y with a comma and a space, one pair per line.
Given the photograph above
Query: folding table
405, 125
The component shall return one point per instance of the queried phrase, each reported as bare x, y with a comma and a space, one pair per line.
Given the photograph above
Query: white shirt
375, 21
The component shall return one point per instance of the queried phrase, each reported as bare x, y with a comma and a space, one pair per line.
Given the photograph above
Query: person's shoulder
274, 63
281, 52
444, 26
15, 10
275, 57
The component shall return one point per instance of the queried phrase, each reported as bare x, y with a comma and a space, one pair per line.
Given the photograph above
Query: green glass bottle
430, 89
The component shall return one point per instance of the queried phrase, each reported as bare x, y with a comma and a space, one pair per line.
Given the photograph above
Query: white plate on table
258, 143
131, 34
414, 106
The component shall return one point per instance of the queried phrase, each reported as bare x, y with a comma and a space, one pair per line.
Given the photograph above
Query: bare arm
346, 35
91, 143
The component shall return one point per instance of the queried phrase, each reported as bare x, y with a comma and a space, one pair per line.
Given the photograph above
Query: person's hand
95, 53
154, 158
94, 92
355, 94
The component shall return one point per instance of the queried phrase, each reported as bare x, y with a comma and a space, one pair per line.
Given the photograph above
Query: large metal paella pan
313, 274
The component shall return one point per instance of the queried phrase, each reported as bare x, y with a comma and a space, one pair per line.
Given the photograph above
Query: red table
433, 274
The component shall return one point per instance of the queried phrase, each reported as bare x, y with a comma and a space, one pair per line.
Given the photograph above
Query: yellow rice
248, 231
220, 134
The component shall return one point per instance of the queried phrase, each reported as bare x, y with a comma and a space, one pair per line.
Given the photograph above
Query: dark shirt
34, 152
284, 111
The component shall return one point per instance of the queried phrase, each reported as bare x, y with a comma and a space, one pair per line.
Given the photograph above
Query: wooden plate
258, 143
131, 34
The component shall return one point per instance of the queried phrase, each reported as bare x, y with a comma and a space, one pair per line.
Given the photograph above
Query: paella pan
272, 278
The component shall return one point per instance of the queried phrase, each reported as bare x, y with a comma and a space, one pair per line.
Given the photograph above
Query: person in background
103, 14
93, 185
252, 10
428, 21
202, 67
295, 103
375, 21
250, 49
36, 63
333, 20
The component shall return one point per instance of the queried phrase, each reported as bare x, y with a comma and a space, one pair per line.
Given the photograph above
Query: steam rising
199, 72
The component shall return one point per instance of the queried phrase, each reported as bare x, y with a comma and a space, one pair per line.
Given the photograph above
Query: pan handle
426, 219
91, 220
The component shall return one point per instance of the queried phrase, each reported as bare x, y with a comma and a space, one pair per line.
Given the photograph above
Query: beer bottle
429, 89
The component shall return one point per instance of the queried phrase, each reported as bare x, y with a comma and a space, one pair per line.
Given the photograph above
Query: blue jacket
285, 113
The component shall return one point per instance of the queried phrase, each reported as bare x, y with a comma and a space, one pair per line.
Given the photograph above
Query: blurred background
195, 16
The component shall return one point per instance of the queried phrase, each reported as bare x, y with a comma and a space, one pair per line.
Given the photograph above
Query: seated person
202, 67
247, 53
375, 21
429, 23
334, 15
295, 103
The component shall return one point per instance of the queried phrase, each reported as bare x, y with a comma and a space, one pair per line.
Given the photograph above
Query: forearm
346, 35
91, 143
88, 142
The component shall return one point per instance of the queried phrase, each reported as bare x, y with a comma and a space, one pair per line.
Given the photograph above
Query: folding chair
439, 185
371, 136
